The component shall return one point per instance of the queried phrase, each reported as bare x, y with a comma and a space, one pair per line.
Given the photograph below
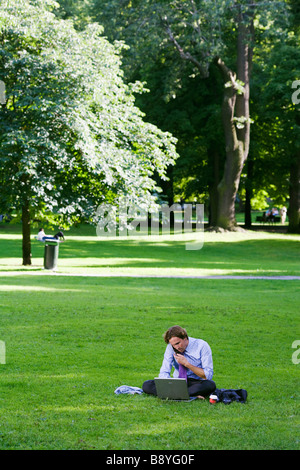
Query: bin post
51, 255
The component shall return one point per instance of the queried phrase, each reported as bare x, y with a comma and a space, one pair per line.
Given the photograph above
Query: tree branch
185, 55
228, 75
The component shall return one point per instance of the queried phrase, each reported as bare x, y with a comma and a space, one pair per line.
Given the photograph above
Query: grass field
71, 339
83, 253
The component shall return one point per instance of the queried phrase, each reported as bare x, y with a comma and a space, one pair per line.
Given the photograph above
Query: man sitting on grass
191, 359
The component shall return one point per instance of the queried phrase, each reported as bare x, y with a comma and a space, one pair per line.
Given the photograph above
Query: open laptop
172, 389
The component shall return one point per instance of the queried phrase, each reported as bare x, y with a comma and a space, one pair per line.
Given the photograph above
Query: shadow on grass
273, 255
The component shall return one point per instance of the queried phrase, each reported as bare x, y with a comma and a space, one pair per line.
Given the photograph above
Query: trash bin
51, 255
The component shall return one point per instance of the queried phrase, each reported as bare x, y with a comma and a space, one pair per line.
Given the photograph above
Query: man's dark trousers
195, 387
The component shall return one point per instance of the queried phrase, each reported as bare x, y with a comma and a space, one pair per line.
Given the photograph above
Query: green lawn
71, 340
240, 253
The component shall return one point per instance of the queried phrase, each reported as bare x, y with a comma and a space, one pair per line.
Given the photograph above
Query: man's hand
182, 360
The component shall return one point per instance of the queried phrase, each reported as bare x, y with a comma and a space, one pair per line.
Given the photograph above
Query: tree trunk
294, 205
235, 157
248, 221
235, 114
214, 158
236, 123
26, 243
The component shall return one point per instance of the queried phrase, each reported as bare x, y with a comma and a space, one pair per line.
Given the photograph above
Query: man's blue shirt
198, 353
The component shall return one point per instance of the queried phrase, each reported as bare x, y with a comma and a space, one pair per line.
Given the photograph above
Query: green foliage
205, 30
275, 132
174, 84
77, 11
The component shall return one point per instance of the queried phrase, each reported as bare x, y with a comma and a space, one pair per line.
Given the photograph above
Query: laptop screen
172, 388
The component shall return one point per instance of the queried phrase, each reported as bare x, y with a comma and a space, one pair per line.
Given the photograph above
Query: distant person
273, 214
283, 212
191, 358
266, 215
42, 236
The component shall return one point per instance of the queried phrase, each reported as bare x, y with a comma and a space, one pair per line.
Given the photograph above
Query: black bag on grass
228, 395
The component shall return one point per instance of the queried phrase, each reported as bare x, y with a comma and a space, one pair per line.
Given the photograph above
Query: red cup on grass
213, 399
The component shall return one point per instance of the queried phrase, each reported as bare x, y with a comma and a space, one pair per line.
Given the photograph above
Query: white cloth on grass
128, 389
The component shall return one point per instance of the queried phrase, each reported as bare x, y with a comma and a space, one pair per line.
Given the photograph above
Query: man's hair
176, 331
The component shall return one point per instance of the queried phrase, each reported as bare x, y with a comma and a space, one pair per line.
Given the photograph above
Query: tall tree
201, 33
71, 136
277, 123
